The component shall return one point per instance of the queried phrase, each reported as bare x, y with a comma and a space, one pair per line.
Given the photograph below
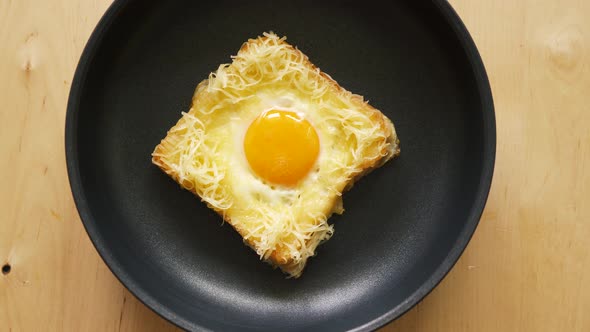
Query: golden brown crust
280, 256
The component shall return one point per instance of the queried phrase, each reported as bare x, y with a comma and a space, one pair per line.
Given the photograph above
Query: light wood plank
526, 269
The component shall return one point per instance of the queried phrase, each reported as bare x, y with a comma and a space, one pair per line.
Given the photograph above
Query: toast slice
203, 152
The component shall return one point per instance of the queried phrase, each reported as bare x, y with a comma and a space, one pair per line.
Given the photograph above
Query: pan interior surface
405, 224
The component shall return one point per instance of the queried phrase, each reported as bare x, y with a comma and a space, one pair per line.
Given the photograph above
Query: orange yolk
281, 147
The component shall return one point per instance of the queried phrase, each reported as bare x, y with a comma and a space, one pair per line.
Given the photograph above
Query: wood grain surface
526, 269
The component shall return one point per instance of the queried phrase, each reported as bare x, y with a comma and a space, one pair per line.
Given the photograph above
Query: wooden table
526, 269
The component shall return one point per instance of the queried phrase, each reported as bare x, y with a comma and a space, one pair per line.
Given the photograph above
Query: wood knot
6, 269
565, 48
29, 52
27, 65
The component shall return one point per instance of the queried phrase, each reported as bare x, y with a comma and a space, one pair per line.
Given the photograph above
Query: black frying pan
405, 224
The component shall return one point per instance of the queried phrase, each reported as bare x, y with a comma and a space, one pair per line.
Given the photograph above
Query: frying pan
405, 224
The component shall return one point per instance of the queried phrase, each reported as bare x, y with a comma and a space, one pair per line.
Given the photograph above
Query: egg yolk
281, 147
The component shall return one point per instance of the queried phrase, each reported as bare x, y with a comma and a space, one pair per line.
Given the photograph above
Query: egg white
245, 181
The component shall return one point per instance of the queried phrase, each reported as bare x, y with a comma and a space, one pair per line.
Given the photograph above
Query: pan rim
489, 154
